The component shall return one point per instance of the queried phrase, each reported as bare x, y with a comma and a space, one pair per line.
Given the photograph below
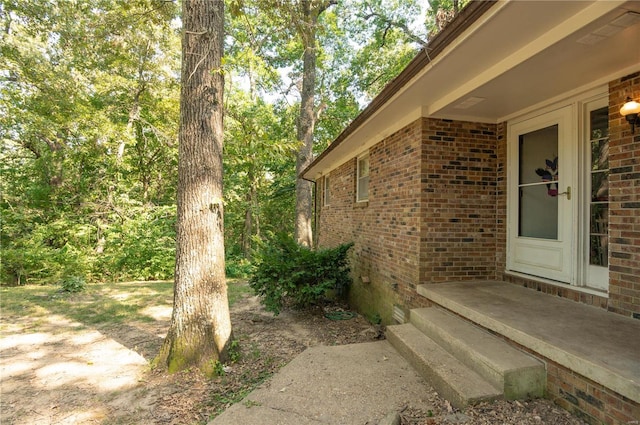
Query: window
599, 170
362, 189
327, 194
538, 186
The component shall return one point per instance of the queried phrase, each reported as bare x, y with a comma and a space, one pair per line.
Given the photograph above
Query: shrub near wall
287, 274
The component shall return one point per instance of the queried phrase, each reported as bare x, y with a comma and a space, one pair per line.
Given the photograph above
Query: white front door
542, 172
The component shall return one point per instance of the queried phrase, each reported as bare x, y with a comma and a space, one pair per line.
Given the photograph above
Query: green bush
286, 273
73, 284
237, 267
40, 253
141, 246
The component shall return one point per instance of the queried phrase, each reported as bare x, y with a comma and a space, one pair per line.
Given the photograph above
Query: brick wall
437, 211
385, 229
624, 192
590, 401
430, 217
501, 200
459, 212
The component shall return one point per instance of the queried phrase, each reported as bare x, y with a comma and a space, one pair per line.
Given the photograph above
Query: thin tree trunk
200, 329
306, 124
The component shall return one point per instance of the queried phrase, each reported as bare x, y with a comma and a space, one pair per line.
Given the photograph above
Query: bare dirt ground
57, 371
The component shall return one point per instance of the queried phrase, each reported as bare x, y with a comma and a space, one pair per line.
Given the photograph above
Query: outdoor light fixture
630, 111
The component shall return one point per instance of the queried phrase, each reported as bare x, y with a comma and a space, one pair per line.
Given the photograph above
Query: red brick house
499, 154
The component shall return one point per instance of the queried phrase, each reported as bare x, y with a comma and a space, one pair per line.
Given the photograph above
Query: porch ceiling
517, 56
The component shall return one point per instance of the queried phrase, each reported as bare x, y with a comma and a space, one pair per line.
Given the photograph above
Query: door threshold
583, 289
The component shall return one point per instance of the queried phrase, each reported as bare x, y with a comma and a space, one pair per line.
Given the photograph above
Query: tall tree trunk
200, 329
306, 124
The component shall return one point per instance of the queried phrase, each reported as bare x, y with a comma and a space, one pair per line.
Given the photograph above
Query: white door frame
576, 153
546, 258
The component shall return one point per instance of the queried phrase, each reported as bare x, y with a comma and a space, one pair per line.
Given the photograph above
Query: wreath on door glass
550, 174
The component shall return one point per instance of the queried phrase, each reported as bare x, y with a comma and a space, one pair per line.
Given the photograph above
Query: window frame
359, 177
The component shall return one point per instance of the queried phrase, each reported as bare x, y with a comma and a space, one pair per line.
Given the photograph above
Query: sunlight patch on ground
94, 416
120, 296
35, 355
22, 340
85, 338
61, 321
78, 358
84, 368
158, 312
51, 364
14, 368
89, 417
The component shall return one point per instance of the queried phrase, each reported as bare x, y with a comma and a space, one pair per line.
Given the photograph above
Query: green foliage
234, 351
237, 267
73, 284
217, 368
441, 12
89, 113
376, 319
286, 273
141, 246
258, 146
36, 252
138, 244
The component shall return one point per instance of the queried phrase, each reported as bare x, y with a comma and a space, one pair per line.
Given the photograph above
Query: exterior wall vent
398, 314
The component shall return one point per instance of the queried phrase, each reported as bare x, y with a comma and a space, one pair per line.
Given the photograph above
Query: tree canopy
89, 113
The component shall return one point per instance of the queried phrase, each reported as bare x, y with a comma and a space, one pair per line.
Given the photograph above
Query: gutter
466, 17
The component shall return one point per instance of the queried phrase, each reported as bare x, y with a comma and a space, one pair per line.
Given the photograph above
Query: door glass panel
538, 213
600, 186
538, 184
599, 252
599, 207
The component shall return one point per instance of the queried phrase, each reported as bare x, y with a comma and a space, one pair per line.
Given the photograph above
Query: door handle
567, 192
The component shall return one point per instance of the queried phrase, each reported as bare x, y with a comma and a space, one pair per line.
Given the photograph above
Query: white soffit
559, 61
519, 54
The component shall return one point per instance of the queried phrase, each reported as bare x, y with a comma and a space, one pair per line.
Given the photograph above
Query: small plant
376, 319
286, 273
234, 351
218, 368
73, 284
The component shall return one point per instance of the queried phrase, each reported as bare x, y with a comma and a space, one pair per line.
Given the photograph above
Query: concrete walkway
347, 384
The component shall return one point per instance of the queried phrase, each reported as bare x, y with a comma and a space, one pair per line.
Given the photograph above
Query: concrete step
517, 374
452, 379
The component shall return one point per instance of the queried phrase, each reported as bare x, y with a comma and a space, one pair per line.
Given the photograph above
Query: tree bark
200, 329
306, 122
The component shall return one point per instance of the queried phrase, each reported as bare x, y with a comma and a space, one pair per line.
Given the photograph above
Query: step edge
449, 388
499, 345
608, 378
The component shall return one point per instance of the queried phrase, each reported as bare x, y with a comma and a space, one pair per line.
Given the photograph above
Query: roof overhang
495, 61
